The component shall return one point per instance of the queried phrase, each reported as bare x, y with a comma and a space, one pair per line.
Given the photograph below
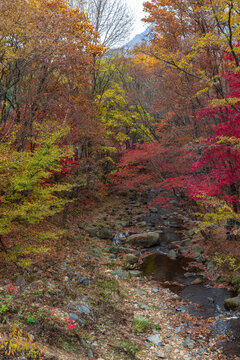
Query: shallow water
208, 300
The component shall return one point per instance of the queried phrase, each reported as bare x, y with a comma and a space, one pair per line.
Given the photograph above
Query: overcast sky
137, 6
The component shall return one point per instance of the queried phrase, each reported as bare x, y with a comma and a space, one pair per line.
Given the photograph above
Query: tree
27, 194
112, 19
46, 57
217, 171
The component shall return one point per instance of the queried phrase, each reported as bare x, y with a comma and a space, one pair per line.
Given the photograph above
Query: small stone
135, 272
90, 353
73, 316
172, 255
197, 250
144, 306
92, 231
188, 343
20, 281
84, 309
176, 297
197, 281
186, 242
155, 339
152, 209
130, 259
155, 290
119, 273
160, 354
70, 277
84, 281
200, 259
81, 322
140, 292
211, 267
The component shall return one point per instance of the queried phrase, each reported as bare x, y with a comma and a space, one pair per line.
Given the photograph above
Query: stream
179, 275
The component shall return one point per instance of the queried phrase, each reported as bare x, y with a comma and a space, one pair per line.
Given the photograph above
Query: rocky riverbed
125, 299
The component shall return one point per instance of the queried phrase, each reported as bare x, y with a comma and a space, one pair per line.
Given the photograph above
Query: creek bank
176, 262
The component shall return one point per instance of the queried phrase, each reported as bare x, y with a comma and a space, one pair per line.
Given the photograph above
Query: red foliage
217, 171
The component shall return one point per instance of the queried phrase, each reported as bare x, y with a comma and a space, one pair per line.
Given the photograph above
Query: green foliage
121, 120
3, 309
110, 284
26, 192
215, 212
232, 262
31, 320
140, 324
18, 254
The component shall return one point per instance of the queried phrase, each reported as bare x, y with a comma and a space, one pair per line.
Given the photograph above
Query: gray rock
188, 343
191, 232
70, 277
172, 255
232, 303
81, 322
84, 309
155, 290
135, 273
105, 233
84, 281
160, 354
119, 273
144, 239
152, 209
144, 306
92, 231
155, 339
197, 250
129, 260
116, 249
20, 281
186, 242
200, 259
73, 316
176, 297
211, 267
90, 353
142, 224
140, 292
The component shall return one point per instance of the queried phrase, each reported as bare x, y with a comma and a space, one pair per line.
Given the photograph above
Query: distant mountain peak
139, 38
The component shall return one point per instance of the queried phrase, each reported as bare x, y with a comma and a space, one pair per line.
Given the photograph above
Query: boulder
155, 339
232, 303
92, 231
129, 260
105, 233
144, 239
197, 250
211, 267
152, 209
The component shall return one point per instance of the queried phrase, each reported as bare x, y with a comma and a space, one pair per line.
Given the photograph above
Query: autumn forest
104, 148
